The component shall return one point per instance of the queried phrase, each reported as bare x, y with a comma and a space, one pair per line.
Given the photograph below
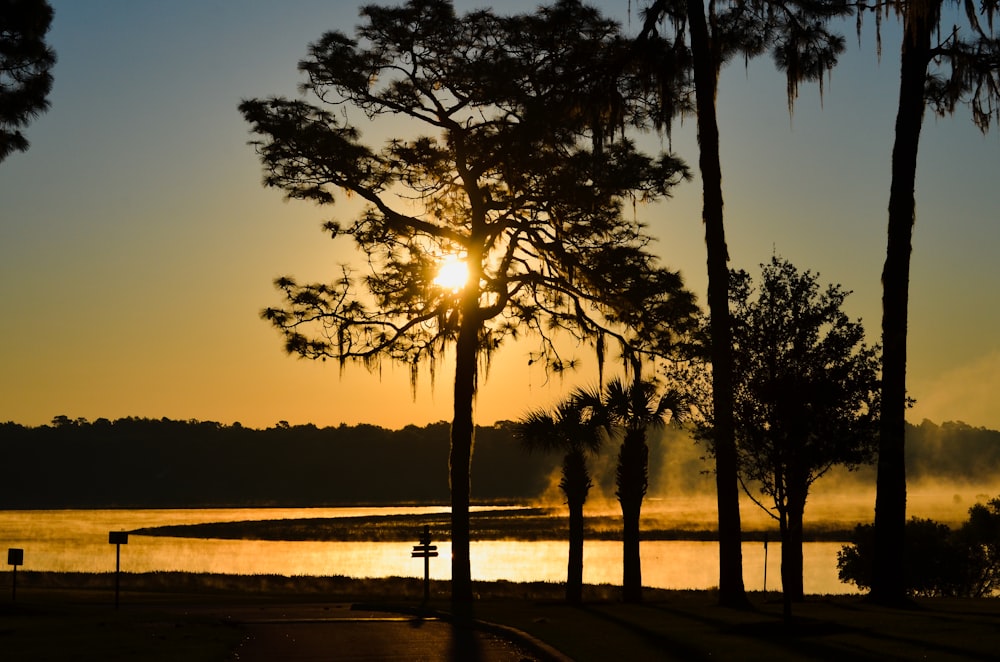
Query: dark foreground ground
194, 618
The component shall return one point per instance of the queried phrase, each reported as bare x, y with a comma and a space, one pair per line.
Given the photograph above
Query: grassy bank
171, 616
527, 524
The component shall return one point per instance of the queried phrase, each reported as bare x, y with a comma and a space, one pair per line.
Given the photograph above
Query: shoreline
522, 524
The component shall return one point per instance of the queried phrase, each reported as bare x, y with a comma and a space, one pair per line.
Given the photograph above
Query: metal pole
425, 540
427, 578
765, 563
118, 570
13, 586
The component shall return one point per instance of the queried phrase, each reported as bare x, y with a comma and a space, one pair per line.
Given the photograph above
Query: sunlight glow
453, 273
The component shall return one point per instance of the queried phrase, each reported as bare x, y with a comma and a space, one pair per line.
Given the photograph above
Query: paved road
340, 633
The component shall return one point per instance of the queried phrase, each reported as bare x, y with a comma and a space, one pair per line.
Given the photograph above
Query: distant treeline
141, 463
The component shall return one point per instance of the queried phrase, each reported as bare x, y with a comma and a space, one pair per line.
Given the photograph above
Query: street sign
118, 538
426, 551
15, 557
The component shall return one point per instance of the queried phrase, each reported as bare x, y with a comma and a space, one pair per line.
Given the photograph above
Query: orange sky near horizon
138, 247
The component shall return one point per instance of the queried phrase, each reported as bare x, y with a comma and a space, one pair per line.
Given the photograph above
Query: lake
77, 541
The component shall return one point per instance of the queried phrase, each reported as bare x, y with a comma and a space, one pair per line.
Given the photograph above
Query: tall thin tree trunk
574, 568
706, 76
786, 600
888, 581
460, 459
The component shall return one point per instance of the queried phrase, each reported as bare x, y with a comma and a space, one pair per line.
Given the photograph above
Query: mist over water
841, 507
682, 489
77, 540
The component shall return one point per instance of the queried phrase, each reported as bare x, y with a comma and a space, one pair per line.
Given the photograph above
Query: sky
138, 246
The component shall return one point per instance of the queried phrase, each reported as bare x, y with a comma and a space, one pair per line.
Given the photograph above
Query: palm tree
574, 430
633, 408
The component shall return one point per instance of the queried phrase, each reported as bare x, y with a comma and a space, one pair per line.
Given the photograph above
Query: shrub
939, 561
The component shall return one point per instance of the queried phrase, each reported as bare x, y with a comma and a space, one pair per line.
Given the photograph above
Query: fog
682, 489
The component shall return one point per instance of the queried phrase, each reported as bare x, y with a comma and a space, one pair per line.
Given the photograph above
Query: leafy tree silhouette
26, 63
702, 37
807, 399
940, 70
576, 430
518, 177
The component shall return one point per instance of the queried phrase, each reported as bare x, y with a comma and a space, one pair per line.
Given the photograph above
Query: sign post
425, 550
15, 557
118, 538
765, 562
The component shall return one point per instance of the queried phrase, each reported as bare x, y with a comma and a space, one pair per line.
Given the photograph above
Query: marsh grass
523, 524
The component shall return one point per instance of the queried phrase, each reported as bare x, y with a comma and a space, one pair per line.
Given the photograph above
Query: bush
939, 561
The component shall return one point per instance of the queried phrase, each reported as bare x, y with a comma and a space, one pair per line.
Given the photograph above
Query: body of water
77, 541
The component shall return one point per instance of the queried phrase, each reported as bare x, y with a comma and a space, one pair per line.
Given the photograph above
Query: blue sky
137, 245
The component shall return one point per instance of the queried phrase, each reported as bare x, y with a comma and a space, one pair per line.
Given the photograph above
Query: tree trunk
631, 562
786, 600
574, 568
706, 77
575, 485
632, 481
888, 581
460, 459
791, 549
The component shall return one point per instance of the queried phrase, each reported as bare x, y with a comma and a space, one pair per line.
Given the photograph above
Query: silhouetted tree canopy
806, 396
513, 161
807, 399
163, 463
26, 63
142, 463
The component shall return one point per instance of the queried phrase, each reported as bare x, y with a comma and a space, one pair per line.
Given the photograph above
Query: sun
453, 273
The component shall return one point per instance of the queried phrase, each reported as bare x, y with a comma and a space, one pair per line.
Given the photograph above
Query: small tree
26, 63
511, 172
629, 410
703, 36
807, 396
575, 430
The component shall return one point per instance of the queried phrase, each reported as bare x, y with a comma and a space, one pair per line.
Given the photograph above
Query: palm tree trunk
706, 76
574, 568
888, 581
460, 460
633, 461
575, 485
631, 561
